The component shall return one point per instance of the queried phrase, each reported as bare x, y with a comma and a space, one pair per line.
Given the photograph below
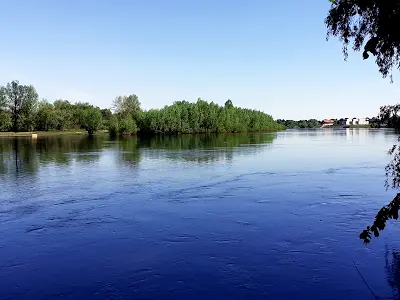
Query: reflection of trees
88, 149
204, 148
26, 155
129, 152
18, 155
392, 267
205, 141
62, 150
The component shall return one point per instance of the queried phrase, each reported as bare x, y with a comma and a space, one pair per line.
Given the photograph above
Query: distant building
328, 122
355, 121
363, 121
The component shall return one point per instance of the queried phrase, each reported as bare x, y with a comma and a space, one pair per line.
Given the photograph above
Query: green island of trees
22, 111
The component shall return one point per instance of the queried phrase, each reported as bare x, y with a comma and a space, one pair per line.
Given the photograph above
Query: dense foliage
312, 123
20, 103
371, 25
20, 110
389, 115
201, 116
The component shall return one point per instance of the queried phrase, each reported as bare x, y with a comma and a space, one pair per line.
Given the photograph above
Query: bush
127, 126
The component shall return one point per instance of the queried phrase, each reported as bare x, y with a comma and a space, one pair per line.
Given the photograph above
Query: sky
266, 55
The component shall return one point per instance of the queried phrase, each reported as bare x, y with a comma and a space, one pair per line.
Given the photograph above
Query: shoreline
78, 132
47, 133
100, 132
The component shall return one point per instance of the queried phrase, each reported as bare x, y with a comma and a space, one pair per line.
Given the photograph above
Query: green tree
312, 123
201, 116
127, 126
127, 105
228, 104
5, 118
64, 112
113, 125
106, 115
90, 119
46, 117
21, 101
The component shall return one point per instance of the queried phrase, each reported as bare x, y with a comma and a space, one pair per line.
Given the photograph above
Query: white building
356, 121
363, 121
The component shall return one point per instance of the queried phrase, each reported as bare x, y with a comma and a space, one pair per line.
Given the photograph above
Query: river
229, 216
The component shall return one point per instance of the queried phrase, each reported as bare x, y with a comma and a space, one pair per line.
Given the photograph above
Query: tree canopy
368, 25
127, 105
202, 116
20, 101
128, 117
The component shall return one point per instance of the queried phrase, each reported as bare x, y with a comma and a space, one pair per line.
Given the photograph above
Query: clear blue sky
267, 55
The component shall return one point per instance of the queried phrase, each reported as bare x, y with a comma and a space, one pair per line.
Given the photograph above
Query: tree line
312, 123
21, 110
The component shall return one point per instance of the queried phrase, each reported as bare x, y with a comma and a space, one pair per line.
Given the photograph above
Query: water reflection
18, 155
24, 155
206, 148
392, 268
128, 150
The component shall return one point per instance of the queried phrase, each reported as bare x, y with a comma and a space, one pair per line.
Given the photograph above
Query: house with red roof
328, 122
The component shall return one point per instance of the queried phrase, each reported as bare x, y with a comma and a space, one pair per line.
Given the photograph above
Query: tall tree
127, 105
5, 119
21, 101
228, 103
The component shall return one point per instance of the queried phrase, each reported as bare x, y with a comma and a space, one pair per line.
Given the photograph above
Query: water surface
237, 216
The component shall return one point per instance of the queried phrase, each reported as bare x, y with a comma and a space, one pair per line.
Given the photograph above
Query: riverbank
359, 126
82, 132
48, 133
349, 126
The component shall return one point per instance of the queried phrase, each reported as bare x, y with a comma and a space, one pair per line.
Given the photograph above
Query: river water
236, 216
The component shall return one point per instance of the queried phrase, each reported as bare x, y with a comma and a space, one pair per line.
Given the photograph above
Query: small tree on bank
127, 126
91, 119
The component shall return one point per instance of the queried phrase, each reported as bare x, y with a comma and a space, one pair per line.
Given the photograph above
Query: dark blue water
257, 216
